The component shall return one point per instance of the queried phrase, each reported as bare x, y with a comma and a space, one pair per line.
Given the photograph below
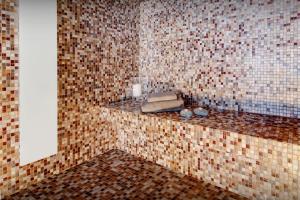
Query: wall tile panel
97, 43
236, 54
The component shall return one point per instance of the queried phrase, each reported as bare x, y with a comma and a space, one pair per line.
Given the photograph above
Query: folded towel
163, 96
162, 105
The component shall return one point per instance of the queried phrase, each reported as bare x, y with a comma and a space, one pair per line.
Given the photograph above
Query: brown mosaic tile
258, 164
9, 136
281, 129
234, 54
117, 175
97, 47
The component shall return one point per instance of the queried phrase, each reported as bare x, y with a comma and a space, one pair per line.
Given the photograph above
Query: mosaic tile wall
238, 54
97, 54
251, 166
244, 52
9, 135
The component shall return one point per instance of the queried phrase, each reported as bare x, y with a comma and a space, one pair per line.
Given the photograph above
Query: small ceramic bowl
200, 112
186, 113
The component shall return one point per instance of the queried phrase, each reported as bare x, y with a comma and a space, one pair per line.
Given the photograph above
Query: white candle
136, 90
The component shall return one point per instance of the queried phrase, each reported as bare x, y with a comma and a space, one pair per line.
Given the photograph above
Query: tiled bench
257, 156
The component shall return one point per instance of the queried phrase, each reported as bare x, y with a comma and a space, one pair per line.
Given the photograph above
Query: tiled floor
117, 175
